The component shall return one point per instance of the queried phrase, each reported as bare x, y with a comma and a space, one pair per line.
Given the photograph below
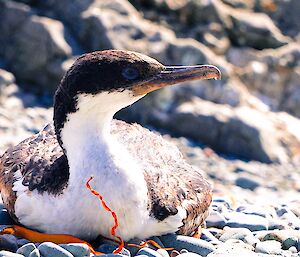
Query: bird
143, 178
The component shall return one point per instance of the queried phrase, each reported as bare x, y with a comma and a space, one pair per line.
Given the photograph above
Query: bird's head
103, 82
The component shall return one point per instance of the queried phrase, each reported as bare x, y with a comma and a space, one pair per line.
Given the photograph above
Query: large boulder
36, 49
242, 131
250, 29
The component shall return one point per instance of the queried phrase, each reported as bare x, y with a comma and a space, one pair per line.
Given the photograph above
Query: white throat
86, 137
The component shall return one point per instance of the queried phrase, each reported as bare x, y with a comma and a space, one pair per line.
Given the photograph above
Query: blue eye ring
130, 73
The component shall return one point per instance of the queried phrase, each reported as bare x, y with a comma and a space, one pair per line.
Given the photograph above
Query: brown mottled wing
38, 161
171, 181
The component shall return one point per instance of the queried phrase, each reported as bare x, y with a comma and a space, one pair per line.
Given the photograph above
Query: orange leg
38, 237
197, 232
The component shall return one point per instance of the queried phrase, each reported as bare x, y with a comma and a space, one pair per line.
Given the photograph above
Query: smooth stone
77, 249
35, 253
266, 212
149, 252
5, 218
4, 253
235, 233
163, 252
247, 183
26, 249
106, 248
111, 255
293, 249
22, 242
268, 247
216, 220
209, 237
49, 249
125, 252
191, 244
174, 253
289, 242
252, 222
233, 248
189, 255
278, 235
8, 242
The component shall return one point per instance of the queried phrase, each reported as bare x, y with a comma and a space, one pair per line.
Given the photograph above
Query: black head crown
117, 71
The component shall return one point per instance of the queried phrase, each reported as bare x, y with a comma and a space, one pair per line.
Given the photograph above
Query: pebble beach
242, 131
252, 214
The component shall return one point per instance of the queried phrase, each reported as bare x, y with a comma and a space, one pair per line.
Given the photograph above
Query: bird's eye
130, 73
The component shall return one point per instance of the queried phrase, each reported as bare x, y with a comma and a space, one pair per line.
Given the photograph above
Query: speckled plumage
171, 181
143, 178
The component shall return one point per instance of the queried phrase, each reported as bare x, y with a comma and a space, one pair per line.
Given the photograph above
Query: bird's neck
86, 137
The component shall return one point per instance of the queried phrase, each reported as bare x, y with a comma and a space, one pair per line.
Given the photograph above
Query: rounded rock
49, 249
268, 247
35, 253
189, 255
149, 252
110, 255
163, 252
252, 222
4, 253
191, 244
106, 248
235, 233
22, 242
77, 249
5, 218
289, 242
26, 249
216, 220
8, 242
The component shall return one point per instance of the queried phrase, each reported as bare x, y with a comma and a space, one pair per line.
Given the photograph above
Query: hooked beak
171, 75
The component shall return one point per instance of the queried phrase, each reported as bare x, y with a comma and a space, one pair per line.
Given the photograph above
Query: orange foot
38, 237
197, 232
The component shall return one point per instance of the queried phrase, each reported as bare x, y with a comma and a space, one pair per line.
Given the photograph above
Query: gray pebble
215, 219
125, 252
149, 252
22, 242
268, 247
293, 249
289, 242
188, 255
35, 253
174, 253
163, 252
49, 249
184, 251
8, 242
185, 242
235, 233
5, 218
106, 248
26, 249
77, 249
209, 237
252, 222
247, 182
4, 253
110, 255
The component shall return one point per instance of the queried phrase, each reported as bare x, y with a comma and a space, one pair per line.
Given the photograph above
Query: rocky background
243, 131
